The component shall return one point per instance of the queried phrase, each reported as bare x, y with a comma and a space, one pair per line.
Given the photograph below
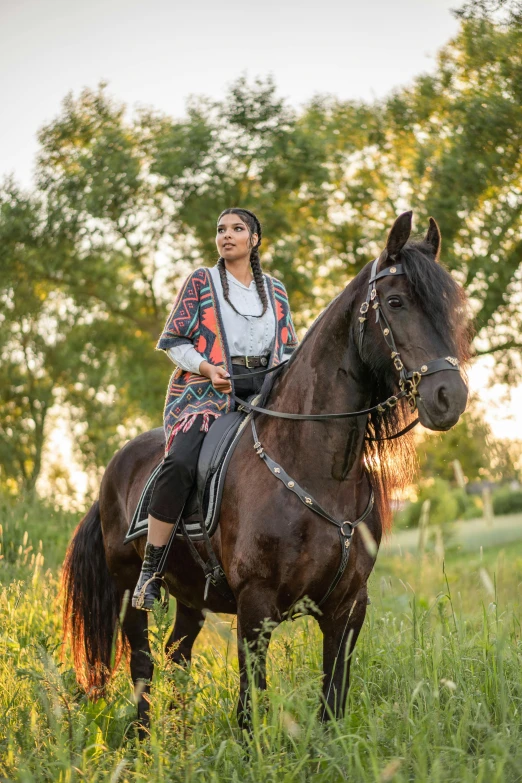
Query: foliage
507, 501
449, 145
435, 688
481, 455
125, 205
25, 523
447, 504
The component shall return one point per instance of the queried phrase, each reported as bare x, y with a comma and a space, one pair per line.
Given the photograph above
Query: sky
158, 53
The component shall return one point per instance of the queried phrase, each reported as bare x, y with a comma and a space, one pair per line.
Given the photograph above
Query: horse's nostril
443, 399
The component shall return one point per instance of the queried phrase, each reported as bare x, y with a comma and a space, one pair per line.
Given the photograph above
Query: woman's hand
218, 376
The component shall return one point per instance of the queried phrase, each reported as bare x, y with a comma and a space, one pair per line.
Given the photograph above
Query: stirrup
140, 599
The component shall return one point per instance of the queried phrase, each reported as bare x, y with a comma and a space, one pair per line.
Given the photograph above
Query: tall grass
436, 684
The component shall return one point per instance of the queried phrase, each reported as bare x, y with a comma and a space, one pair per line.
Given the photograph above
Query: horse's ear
399, 234
433, 238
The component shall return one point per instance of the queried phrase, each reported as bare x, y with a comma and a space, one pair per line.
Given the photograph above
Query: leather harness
409, 381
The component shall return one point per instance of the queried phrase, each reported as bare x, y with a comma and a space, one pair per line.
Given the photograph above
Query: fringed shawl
195, 317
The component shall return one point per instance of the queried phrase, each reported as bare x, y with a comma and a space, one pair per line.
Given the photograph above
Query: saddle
201, 512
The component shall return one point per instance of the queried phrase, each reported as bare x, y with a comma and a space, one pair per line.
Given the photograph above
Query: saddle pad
215, 464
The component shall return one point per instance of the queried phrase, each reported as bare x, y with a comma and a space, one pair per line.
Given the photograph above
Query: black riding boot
145, 594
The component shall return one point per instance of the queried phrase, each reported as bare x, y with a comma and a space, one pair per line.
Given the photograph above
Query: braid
255, 262
224, 282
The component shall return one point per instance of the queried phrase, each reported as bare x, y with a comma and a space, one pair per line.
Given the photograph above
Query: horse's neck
325, 376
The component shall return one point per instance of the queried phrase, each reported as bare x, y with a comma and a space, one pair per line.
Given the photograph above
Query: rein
391, 402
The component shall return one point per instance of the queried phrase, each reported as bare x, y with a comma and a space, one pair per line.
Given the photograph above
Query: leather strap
436, 365
345, 528
390, 271
410, 426
250, 361
212, 569
380, 407
266, 371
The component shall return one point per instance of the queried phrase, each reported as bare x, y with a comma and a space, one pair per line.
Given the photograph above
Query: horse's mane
392, 464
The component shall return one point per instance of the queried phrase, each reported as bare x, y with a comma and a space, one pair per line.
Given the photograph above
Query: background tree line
125, 204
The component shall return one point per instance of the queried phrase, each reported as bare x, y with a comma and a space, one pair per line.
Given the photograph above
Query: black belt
251, 362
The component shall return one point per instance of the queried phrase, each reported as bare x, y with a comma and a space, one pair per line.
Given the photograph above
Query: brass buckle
247, 365
411, 387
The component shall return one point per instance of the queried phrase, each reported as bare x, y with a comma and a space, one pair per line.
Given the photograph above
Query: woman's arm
186, 357
180, 330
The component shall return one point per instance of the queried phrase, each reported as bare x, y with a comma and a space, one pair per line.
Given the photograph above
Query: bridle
409, 380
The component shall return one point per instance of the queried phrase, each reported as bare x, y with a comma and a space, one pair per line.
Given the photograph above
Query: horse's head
419, 337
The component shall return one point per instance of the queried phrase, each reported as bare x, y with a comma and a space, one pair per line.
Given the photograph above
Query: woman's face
233, 238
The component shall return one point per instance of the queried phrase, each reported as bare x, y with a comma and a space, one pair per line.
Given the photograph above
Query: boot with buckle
148, 588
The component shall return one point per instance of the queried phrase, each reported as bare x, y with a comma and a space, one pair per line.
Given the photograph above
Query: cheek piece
409, 380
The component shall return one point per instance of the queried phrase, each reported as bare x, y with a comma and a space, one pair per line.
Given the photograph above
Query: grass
436, 685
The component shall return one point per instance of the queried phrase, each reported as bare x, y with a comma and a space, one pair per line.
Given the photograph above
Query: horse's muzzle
442, 400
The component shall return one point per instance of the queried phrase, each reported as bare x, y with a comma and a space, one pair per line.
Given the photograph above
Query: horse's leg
255, 623
135, 628
187, 626
340, 633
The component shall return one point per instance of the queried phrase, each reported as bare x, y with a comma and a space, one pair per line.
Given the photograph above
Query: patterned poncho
196, 318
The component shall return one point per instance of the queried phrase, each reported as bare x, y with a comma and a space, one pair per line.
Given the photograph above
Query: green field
436, 687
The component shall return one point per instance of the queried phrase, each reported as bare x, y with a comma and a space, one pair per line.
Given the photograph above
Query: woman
230, 319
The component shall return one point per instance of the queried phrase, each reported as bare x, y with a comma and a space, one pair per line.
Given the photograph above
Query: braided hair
254, 227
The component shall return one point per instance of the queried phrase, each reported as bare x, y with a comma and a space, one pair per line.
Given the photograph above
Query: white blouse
246, 335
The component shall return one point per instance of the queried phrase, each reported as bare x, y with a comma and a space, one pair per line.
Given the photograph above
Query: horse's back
124, 479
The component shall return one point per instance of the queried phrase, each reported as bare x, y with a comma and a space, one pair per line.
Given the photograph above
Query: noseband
409, 380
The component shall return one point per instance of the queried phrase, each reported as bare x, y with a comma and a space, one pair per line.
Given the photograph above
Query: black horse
273, 548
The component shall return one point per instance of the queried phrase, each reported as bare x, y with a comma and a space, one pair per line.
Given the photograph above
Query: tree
450, 145
35, 324
87, 253
482, 456
126, 205
251, 150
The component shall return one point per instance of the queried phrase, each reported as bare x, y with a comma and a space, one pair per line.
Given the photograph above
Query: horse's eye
394, 302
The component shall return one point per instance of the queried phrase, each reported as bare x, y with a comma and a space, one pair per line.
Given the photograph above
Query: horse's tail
90, 606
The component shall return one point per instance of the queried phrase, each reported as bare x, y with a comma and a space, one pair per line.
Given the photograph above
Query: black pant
178, 471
